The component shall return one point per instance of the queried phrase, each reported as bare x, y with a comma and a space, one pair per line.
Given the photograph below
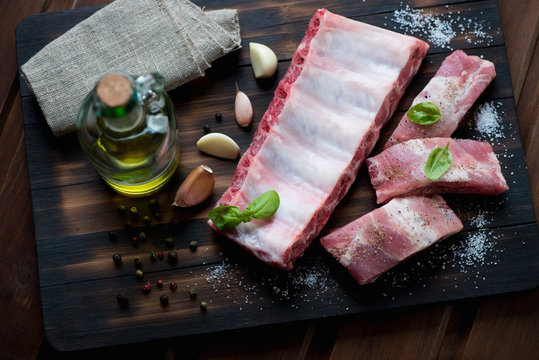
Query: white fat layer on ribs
329, 109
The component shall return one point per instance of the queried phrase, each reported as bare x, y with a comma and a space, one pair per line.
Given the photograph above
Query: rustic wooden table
489, 328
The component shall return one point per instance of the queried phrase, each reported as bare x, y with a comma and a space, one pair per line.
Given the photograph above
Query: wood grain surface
464, 329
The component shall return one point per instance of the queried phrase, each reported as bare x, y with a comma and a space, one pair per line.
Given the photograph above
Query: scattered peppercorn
133, 212
117, 258
207, 129
153, 256
172, 257
218, 117
169, 242
159, 283
121, 209
154, 206
160, 255
113, 236
138, 263
164, 299
134, 241
122, 300
146, 288
193, 293
146, 220
157, 215
142, 236
139, 274
203, 306
193, 245
173, 285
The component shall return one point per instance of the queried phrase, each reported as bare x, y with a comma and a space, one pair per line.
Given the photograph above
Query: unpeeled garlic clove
196, 187
243, 108
219, 145
263, 60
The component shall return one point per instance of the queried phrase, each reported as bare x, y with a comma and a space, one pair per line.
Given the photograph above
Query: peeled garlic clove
263, 60
219, 145
196, 187
243, 110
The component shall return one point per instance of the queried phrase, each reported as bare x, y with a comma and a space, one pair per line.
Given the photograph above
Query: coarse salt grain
441, 29
488, 122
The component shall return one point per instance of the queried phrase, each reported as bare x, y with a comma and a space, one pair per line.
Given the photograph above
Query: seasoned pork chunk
454, 88
381, 239
399, 170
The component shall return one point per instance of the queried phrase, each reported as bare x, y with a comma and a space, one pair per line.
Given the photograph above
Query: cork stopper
114, 90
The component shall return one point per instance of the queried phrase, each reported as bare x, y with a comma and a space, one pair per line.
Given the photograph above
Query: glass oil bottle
127, 129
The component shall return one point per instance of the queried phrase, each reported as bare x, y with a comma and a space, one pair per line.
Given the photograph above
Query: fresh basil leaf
438, 162
263, 206
226, 217
424, 113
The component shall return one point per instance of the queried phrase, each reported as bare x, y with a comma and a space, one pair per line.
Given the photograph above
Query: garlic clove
219, 145
196, 187
243, 110
263, 60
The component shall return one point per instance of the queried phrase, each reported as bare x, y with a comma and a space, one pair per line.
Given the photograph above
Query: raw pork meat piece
399, 170
454, 88
343, 84
381, 239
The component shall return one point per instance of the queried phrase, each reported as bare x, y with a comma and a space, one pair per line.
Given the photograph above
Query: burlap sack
172, 37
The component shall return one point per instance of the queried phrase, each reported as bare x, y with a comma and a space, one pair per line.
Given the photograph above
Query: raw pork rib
343, 84
381, 239
454, 88
399, 170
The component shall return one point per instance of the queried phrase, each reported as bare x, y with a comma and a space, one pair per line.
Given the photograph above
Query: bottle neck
117, 107
118, 112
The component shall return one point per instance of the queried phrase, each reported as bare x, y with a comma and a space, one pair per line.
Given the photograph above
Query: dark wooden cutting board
497, 252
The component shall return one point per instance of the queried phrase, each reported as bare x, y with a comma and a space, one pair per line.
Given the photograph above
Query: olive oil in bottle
127, 129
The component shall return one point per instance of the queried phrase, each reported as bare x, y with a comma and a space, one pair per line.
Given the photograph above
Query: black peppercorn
203, 306
113, 236
164, 300
172, 257
142, 236
153, 256
207, 129
139, 274
154, 206
121, 209
192, 293
133, 212
169, 242
117, 258
138, 263
193, 245
122, 300
218, 117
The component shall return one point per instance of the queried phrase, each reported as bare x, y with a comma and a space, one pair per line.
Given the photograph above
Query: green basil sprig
438, 162
228, 217
424, 113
